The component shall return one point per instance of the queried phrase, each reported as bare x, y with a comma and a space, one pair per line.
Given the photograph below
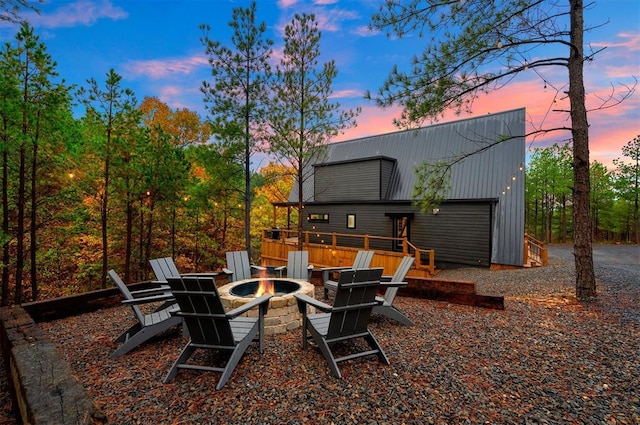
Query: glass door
400, 230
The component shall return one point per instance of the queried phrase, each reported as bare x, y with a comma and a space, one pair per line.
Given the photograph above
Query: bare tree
10, 9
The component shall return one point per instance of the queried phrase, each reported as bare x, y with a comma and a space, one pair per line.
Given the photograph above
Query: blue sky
155, 45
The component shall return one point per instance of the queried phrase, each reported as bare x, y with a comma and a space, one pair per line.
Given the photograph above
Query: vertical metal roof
482, 175
492, 171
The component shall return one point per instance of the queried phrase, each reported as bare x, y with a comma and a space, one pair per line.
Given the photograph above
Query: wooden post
275, 216
432, 259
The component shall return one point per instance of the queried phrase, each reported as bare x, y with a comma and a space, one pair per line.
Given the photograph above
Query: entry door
401, 229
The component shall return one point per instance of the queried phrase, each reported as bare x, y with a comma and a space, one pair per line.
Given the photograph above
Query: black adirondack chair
211, 327
347, 319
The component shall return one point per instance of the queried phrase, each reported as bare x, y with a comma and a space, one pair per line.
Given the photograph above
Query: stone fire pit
283, 314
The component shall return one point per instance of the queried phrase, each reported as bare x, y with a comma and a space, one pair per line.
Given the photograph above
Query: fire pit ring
283, 314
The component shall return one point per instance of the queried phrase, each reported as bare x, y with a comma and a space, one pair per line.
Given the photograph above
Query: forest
132, 180
136, 180
614, 195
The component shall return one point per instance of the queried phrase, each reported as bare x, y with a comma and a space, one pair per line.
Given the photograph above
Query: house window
318, 218
351, 221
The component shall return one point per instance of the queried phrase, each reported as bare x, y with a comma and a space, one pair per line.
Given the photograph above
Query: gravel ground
545, 359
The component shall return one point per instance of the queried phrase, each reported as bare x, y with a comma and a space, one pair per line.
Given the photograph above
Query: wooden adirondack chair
347, 319
297, 266
148, 325
362, 261
393, 283
210, 327
239, 267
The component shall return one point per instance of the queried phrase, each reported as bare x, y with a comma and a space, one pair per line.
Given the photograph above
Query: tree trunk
152, 204
5, 219
33, 243
583, 249
247, 163
128, 250
104, 209
21, 187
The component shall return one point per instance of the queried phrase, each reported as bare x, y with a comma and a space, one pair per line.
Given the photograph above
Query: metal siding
482, 175
359, 181
460, 233
386, 172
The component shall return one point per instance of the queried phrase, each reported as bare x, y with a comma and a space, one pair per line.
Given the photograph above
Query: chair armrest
303, 300
334, 269
386, 278
259, 268
201, 274
151, 291
227, 271
393, 284
151, 299
326, 270
248, 306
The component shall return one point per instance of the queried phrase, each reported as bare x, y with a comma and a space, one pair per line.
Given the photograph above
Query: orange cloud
610, 128
371, 121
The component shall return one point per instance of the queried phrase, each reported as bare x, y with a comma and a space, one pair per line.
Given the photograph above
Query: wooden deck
275, 249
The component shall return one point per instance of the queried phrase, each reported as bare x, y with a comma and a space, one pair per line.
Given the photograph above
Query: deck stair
535, 254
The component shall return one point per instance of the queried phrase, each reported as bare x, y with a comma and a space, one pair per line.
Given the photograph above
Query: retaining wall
42, 385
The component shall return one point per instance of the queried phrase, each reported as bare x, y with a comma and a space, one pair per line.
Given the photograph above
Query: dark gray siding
386, 172
459, 234
359, 181
365, 180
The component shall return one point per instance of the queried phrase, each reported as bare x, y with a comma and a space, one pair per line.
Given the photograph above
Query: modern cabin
364, 186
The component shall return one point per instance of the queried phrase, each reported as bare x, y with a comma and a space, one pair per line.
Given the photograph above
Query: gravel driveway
617, 270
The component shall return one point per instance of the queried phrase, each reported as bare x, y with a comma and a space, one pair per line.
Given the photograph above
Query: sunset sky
155, 45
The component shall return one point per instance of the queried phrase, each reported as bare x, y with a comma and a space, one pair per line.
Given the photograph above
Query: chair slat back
398, 276
204, 313
238, 261
158, 270
171, 266
298, 265
362, 260
126, 294
164, 265
354, 301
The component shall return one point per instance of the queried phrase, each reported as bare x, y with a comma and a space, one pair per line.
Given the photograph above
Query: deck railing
339, 249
